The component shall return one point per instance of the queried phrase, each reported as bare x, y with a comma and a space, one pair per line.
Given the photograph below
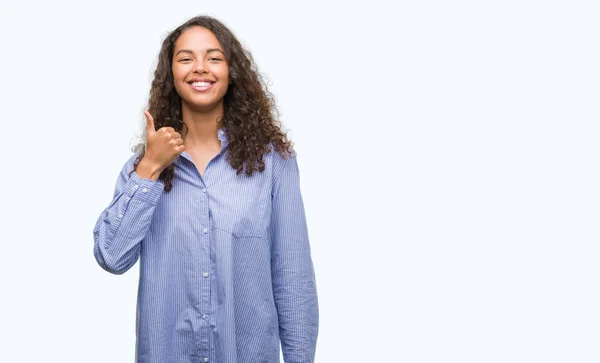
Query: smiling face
200, 70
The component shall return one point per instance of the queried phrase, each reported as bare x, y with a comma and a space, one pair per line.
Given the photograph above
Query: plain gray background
448, 155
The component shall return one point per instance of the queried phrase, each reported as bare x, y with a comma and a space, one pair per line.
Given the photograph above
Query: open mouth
201, 86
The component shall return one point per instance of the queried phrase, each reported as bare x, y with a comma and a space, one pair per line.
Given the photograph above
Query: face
200, 70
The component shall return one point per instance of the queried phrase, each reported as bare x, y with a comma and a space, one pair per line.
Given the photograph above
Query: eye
185, 60
213, 58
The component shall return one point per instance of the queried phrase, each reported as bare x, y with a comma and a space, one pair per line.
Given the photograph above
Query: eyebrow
209, 50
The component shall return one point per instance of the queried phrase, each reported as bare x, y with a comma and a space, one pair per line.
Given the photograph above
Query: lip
200, 80
197, 89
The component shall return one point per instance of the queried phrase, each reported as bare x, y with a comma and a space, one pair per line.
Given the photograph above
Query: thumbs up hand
163, 146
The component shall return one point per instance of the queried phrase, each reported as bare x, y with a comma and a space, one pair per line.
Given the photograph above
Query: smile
201, 86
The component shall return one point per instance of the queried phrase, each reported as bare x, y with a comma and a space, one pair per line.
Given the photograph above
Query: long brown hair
250, 114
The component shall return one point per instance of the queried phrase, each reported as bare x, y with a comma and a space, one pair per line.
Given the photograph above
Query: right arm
123, 225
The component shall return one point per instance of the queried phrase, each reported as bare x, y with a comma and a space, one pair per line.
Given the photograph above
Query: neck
201, 126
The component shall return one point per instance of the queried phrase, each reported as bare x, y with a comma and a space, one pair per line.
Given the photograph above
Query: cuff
144, 190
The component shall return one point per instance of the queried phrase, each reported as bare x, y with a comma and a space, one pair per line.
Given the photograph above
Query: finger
169, 132
180, 148
165, 131
176, 142
149, 123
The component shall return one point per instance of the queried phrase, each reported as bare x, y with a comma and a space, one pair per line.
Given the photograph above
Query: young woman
211, 206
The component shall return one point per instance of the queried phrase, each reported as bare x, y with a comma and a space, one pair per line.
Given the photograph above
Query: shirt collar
221, 134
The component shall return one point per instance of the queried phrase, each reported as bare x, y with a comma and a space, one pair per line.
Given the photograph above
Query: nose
200, 68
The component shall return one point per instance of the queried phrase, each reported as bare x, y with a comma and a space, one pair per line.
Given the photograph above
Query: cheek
178, 77
226, 79
181, 70
222, 73
177, 73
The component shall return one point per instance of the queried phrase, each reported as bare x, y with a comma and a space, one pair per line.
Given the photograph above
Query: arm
123, 225
293, 277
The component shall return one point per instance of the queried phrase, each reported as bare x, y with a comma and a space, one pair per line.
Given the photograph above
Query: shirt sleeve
294, 286
122, 226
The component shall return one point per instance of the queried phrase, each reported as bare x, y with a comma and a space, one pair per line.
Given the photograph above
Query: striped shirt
225, 265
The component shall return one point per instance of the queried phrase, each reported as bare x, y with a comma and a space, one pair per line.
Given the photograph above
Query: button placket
205, 267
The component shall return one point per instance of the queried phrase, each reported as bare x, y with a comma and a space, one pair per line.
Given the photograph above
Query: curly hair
250, 115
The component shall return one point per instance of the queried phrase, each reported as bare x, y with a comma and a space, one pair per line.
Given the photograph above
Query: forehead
197, 39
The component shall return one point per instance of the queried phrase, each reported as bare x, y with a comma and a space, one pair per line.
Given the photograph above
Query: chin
202, 106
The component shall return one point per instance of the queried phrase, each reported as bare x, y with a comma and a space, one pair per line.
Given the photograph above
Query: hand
163, 146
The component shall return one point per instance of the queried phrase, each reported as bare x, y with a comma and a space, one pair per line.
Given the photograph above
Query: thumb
149, 123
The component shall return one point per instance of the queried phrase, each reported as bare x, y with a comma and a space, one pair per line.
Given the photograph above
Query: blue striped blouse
225, 264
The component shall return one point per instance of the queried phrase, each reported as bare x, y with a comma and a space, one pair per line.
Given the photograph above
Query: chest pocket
238, 205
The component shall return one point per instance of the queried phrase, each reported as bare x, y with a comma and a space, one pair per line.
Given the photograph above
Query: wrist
148, 170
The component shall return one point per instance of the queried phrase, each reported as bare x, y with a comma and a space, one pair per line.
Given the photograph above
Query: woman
211, 206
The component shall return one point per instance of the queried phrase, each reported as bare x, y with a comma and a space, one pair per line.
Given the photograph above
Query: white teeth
201, 84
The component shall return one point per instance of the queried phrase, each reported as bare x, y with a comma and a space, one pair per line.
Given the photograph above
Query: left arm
293, 277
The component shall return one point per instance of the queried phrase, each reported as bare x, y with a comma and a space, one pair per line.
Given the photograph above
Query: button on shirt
248, 233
